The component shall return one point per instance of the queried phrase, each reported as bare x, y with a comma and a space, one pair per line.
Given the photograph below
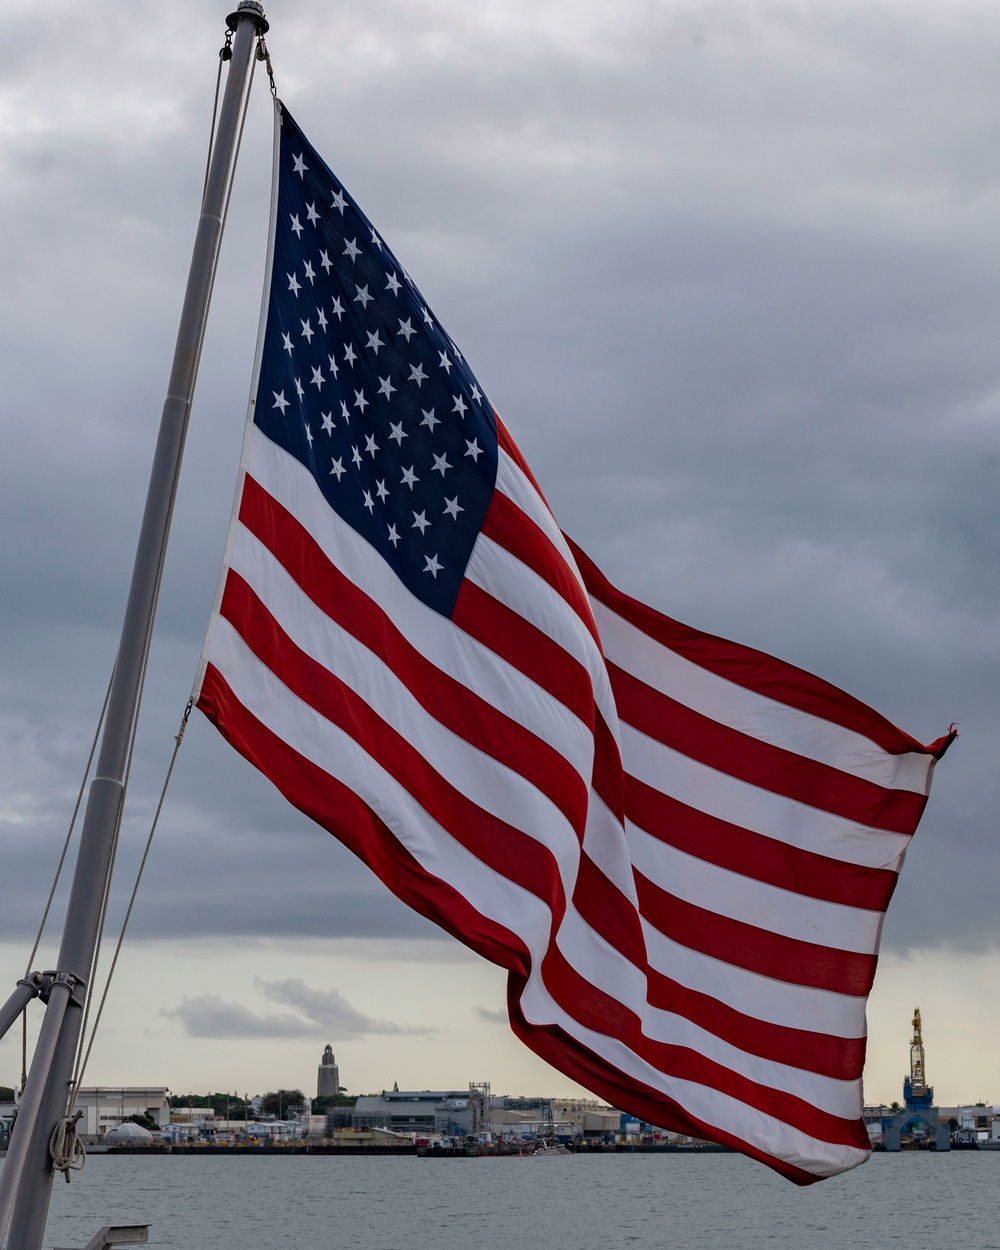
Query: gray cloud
321, 1013
489, 1015
737, 296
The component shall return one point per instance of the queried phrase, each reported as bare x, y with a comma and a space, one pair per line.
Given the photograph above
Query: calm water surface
710, 1202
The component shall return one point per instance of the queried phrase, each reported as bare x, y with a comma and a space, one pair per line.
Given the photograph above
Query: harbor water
920, 1201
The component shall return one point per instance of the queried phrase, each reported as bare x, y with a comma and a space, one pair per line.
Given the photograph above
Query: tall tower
328, 1080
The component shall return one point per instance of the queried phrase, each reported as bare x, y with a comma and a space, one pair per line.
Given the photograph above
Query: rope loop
66, 1148
265, 56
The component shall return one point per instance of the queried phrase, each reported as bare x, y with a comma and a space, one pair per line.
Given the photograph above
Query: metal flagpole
26, 1182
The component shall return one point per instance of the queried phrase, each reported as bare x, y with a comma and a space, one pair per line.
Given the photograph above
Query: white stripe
759, 810
606, 846
474, 665
494, 569
753, 902
755, 714
781, 1003
514, 483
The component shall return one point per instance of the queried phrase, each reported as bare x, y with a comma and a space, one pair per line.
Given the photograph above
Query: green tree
6, 1093
319, 1105
283, 1101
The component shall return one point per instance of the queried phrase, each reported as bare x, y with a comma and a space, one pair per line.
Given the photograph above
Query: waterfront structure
328, 1078
104, 1107
920, 1116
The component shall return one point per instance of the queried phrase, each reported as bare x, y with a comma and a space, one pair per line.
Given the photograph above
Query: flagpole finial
249, 8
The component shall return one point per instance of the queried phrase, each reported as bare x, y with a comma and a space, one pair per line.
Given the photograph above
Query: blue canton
360, 384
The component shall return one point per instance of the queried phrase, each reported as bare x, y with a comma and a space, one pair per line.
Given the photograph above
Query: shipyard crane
918, 1078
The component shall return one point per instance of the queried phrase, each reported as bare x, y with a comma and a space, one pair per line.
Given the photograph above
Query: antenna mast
26, 1183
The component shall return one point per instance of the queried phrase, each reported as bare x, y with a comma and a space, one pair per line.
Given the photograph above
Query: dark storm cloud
728, 270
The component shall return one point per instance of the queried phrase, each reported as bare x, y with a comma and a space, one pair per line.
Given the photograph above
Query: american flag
680, 849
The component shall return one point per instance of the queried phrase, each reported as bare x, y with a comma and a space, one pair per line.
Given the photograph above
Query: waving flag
679, 848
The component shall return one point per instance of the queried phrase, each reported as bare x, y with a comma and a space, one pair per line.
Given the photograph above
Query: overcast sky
730, 272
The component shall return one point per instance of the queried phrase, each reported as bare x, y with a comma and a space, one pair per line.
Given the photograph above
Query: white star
428, 319
441, 465
381, 491
369, 502
349, 355
374, 342
386, 387
351, 249
417, 374
356, 456
409, 477
280, 401
398, 433
460, 405
452, 507
362, 297
307, 331
338, 309
361, 402
376, 240
445, 363
430, 420
455, 352
317, 380
310, 273
327, 422
325, 263
309, 435
286, 343
300, 166
338, 469
432, 567
293, 284
311, 213
371, 447
477, 394
475, 451
321, 318
393, 284
339, 202
344, 413
298, 387
393, 536
420, 522
333, 366
296, 225
406, 329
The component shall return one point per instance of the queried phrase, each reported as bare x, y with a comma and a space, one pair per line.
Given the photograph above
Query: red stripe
601, 1013
758, 950
754, 855
496, 843
525, 647
760, 763
446, 699
511, 528
752, 669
